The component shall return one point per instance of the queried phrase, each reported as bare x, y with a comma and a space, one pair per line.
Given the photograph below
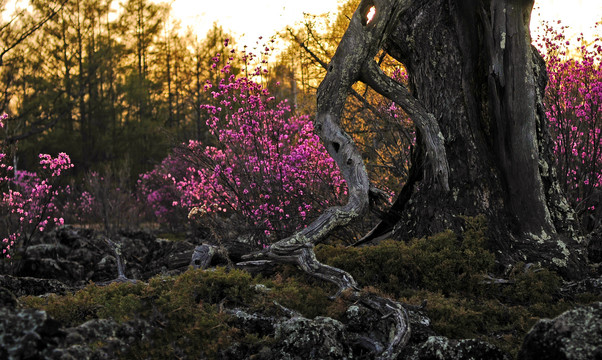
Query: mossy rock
575, 334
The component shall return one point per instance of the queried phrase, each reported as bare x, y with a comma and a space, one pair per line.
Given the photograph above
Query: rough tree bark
472, 65
475, 96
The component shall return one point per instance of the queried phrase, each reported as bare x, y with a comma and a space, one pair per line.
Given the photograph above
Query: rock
574, 335
239, 246
101, 339
77, 256
22, 286
594, 246
63, 270
8, 298
167, 257
370, 332
26, 333
72, 255
32, 334
592, 217
441, 348
320, 338
588, 285
252, 323
202, 255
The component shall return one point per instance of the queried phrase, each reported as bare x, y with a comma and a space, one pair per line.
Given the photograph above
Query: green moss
298, 291
382, 266
458, 317
452, 317
442, 262
532, 285
216, 285
187, 307
118, 301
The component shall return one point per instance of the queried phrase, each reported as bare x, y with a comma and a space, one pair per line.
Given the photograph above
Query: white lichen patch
545, 168
353, 311
503, 41
565, 251
563, 248
540, 239
559, 262
485, 198
261, 288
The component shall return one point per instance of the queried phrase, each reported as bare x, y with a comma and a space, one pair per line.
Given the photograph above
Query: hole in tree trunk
368, 11
336, 146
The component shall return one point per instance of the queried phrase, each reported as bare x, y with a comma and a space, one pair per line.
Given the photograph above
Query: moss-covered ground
447, 270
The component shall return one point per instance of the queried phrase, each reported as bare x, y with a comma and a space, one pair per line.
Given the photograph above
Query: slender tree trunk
83, 116
170, 111
67, 78
198, 97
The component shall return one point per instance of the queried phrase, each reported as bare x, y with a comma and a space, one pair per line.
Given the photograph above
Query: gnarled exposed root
303, 257
393, 309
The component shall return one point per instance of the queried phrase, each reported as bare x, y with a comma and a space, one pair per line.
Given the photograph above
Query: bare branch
35, 27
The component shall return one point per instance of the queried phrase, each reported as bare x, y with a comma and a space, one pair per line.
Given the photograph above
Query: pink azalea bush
28, 201
573, 102
268, 169
160, 190
79, 207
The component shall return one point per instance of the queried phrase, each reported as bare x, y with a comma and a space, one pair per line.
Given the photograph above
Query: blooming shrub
268, 169
573, 102
28, 203
79, 206
159, 189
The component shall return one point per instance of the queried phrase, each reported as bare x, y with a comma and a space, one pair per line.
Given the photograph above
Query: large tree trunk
471, 64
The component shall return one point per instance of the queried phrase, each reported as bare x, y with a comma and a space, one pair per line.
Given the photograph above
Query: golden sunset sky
247, 20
